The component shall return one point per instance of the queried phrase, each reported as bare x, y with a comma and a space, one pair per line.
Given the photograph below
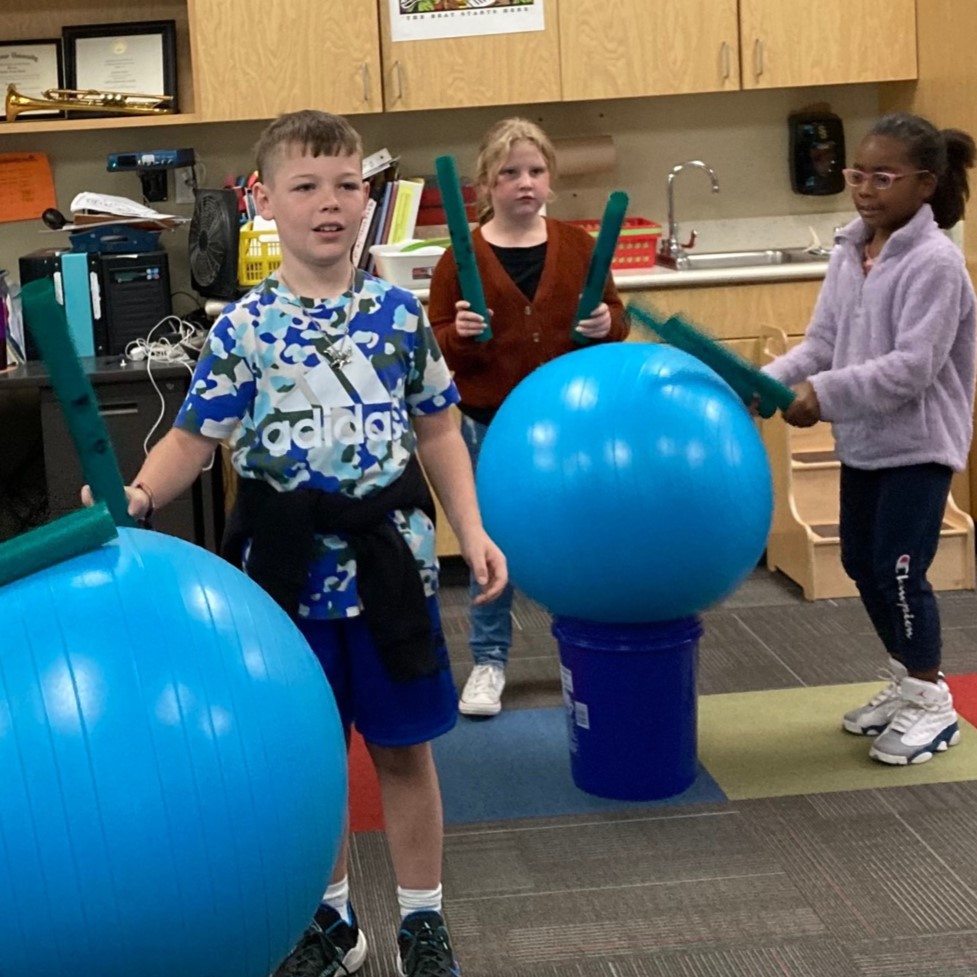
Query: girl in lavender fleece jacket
889, 360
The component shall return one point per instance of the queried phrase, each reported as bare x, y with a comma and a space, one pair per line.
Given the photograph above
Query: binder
76, 286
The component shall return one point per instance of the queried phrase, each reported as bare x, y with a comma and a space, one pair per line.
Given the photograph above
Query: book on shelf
384, 215
406, 205
366, 225
379, 179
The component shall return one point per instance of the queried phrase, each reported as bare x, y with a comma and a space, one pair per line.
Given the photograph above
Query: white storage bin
409, 269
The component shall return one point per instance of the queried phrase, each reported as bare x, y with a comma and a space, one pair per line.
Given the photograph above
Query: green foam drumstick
67, 537
461, 241
46, 320
600, 259
747, 381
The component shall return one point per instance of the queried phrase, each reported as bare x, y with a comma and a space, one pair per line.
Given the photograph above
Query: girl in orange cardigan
533, 269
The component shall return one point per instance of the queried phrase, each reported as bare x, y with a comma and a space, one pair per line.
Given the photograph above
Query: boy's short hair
312, 132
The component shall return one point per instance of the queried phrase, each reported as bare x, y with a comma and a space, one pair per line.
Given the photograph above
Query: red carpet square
964, 689
365, 812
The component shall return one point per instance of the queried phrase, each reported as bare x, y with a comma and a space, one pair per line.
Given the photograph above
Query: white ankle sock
337, 896
415, 900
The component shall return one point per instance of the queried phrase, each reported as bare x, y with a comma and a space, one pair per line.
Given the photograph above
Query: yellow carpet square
789, 741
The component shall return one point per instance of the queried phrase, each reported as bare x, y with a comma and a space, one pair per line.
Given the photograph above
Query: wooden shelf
113, 122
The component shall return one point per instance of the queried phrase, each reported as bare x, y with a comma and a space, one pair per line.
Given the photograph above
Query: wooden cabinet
255, 60
829, 42
626, 48
243, 59
735, 314
236, 59
464, 72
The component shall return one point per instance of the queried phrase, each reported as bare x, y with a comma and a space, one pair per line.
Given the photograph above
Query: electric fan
213, 244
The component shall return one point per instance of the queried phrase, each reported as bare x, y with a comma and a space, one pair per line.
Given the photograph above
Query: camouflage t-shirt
306, 394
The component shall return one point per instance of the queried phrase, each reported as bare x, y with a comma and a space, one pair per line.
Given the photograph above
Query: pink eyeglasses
880, 180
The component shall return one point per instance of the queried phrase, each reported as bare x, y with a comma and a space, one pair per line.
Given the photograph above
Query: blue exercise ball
173, 769
625, 483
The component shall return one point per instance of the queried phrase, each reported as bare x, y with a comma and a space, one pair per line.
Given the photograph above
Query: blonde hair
312, 132
494, 150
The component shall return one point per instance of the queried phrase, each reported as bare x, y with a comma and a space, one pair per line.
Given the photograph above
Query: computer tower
135, 297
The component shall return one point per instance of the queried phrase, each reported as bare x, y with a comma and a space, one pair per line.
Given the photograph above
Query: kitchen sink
704, 261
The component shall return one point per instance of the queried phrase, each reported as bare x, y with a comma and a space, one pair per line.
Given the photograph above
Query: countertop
642, 279
98, 369
630, 281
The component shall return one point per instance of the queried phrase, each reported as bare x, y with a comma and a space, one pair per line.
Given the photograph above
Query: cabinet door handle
399, 79
365, 71
724, 60
758, 57
119, 408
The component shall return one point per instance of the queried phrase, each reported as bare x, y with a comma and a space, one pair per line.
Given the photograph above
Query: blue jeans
490, 636
890, 530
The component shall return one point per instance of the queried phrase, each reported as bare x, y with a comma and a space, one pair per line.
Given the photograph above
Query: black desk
40, 474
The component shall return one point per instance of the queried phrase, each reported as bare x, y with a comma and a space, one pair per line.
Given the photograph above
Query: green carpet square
790, 741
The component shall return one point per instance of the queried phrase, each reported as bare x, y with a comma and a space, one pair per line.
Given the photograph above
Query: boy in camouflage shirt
326, 384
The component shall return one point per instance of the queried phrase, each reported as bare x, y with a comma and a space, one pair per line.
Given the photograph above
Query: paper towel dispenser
817, 153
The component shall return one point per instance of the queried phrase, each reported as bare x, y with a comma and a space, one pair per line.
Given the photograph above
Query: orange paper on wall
26, 186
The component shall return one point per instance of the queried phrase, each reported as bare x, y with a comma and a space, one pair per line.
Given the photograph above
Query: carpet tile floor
808, 860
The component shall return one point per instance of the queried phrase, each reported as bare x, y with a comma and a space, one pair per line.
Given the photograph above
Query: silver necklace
340, 351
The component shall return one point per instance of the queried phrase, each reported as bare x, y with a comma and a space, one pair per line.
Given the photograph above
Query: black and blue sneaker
425, 949
330, 947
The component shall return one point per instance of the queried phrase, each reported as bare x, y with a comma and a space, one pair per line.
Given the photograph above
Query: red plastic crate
636, 245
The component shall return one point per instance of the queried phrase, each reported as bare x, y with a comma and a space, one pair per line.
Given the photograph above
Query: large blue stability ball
625, 483
172, 764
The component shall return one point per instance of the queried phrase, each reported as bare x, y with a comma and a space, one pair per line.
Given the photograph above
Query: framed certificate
32, 67
137, 58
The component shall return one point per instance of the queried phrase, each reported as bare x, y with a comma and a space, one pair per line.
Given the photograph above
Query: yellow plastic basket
259, 254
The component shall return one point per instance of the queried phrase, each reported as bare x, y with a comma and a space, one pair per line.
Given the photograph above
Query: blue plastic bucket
630, 697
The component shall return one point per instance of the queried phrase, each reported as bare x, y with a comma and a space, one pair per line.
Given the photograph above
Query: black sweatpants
890, 530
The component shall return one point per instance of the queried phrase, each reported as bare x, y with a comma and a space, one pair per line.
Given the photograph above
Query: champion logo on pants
902, 574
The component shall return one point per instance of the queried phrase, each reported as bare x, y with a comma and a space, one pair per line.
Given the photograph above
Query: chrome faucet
670, 252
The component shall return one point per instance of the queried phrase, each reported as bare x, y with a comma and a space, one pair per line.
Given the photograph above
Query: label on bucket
566, 681
581, 715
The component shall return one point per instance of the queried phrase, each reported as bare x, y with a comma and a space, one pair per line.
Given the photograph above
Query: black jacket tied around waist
282, 527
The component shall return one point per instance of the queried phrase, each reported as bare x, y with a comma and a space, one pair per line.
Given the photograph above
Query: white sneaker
482, 695
924, 724
872, 718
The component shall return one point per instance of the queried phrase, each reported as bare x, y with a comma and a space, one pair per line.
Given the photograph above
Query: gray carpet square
732, 658
870, 874
946, 955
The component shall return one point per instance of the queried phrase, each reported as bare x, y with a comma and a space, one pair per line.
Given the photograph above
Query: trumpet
87, 100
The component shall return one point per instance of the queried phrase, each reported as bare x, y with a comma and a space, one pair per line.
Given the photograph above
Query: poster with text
424, 20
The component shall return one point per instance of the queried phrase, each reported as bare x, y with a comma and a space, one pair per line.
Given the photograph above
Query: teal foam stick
747, 381
461, 241
67, 537
46, 320
600, 259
